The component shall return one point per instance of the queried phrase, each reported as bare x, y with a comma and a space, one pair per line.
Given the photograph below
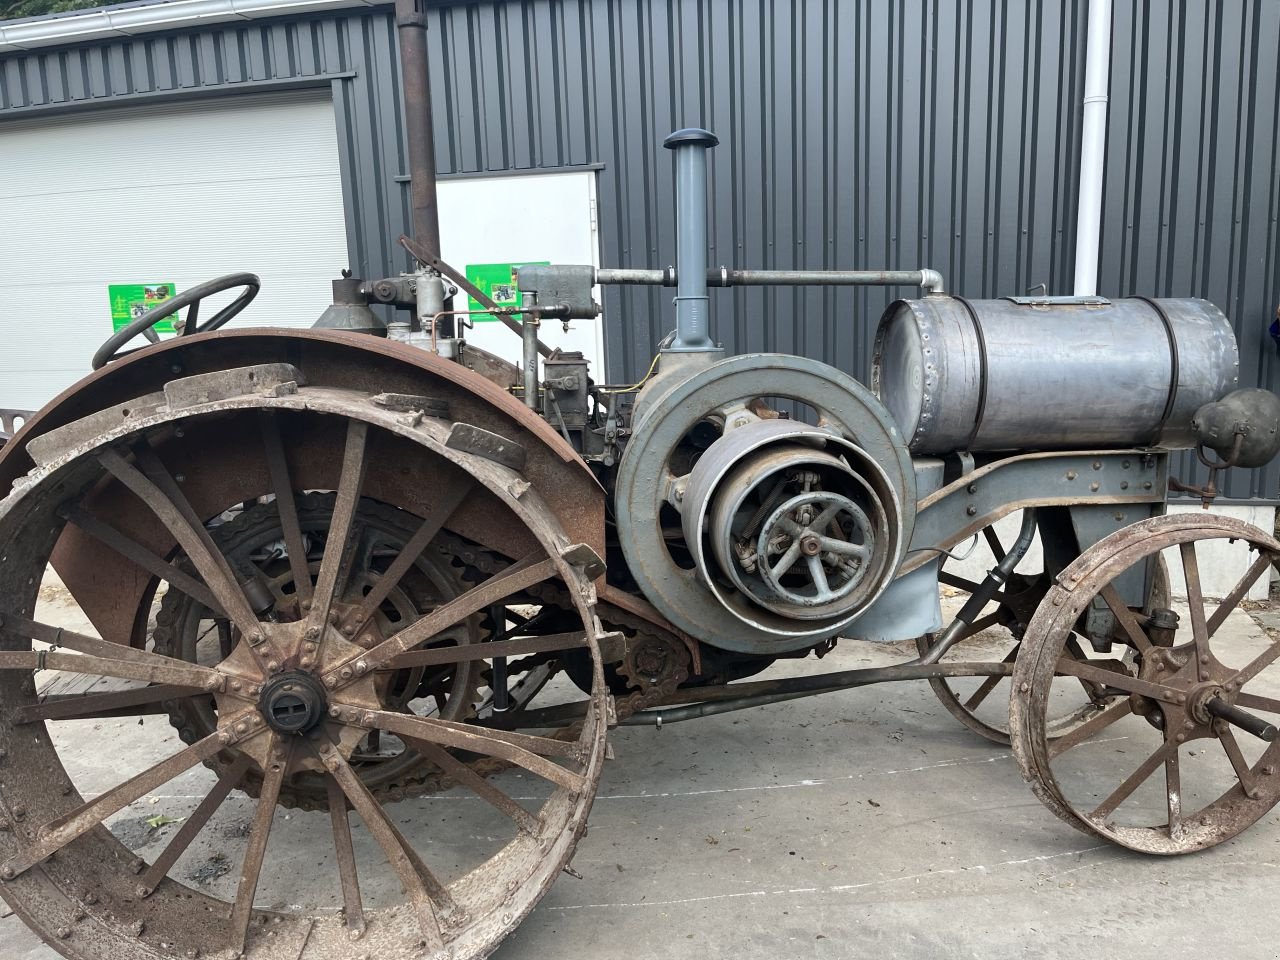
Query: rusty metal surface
1187, 693
474, 911
324, 358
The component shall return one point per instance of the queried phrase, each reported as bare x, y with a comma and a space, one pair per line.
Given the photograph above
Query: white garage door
178, 194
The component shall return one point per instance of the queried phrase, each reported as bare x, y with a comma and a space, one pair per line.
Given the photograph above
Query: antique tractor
350, 573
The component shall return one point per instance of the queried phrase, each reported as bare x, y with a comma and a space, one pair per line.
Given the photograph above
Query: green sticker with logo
129, 301
498, 282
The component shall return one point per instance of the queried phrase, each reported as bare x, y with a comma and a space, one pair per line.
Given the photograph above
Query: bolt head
273, 666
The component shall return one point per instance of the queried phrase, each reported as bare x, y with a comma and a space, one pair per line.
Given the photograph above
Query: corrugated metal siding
1192, 195
939, 133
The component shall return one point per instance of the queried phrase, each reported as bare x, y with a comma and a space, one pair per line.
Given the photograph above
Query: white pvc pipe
1093, 147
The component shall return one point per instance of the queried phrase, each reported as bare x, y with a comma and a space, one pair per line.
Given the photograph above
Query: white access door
520, 218
175, 194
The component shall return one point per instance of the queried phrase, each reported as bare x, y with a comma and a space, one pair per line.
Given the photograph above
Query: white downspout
1093, 147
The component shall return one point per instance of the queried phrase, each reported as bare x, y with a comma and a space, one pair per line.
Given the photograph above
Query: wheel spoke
1125, 616
1072, 646
1256, 702
845, 548
825, 517
819, 577
447, 502
1195, 601
1135, 780
514, 579
259, 834
1090, 728
1109, 678
989, 684
526, 751
1238, 762
345, 853
158, 490
98, 648
1232, 600
787, 560
1260, 663
287, 506
56, 834
389, 839
144, 558
94, 706
477, 784
338, 546
1173, 792
35, 660
192, 826
518, 647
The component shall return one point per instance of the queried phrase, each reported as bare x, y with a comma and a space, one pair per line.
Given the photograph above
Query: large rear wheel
323, 653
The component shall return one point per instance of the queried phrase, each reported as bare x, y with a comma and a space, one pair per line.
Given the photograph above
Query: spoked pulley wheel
1186, 755
313, 667
982, 703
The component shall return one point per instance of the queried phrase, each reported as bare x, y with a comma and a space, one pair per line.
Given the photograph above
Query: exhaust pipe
693, 325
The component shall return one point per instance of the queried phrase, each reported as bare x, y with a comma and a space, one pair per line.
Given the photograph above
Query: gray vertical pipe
693, 325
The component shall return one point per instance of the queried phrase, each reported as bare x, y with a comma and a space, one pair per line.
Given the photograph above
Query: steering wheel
145, 324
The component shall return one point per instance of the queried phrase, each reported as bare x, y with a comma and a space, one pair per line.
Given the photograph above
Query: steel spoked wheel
253, 539
293, 698
982, 703
1190, 757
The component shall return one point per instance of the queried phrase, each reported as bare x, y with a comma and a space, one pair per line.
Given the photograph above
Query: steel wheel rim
92, 928
1226, 814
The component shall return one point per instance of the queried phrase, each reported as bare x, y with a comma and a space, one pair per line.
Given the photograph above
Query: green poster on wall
129, 301
498, 281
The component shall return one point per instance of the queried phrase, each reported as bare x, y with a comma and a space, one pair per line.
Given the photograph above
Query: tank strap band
982, 370
1172, 396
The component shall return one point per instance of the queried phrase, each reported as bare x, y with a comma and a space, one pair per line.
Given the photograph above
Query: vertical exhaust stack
693, 325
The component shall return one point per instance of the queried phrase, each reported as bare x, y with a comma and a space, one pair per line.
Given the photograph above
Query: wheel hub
293, 703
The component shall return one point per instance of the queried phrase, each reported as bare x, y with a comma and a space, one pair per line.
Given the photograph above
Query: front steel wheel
1185, 756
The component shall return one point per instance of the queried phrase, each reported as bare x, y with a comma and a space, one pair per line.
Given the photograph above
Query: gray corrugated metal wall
942, 133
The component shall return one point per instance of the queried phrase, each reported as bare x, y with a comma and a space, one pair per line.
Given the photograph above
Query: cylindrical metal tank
1026, 373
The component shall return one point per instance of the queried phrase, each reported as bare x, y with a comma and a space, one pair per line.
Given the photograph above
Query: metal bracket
483, 443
